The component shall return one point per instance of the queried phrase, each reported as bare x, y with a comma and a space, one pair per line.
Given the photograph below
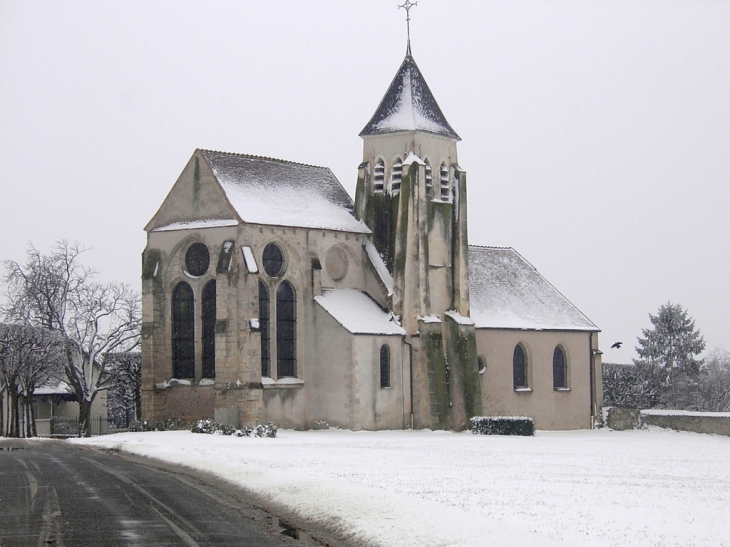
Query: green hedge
502, 425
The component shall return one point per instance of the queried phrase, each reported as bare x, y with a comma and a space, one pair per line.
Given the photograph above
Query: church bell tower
411, 192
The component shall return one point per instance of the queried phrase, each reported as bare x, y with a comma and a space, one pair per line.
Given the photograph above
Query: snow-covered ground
416, 488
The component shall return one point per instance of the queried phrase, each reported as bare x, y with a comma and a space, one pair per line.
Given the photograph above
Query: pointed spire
409, 105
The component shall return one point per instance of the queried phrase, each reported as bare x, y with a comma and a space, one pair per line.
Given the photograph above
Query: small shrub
141, 425
502, 425
212, 427
268, 430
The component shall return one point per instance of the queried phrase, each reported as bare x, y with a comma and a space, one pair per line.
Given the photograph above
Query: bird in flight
616, 345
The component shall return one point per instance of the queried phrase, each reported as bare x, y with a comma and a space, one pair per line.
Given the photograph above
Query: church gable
507, 292
196, 200
283, 193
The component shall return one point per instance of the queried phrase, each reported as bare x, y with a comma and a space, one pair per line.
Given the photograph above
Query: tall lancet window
445, 184
379, 177
286, 331
519, 367
395, 177
429, 179
208, 318
264, 329
183, 331
560, 370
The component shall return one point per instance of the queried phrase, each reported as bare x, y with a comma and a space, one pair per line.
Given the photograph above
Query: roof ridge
492, 247
267, 158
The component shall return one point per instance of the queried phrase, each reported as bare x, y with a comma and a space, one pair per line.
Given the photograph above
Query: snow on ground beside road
414, 488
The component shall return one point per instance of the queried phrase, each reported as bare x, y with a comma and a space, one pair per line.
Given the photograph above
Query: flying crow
616, 345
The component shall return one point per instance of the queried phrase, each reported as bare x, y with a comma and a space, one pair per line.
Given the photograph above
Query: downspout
592, 374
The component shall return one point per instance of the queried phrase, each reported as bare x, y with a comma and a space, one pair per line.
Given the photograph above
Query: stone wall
717, 423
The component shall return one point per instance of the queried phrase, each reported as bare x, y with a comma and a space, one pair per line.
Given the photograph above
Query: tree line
61, 325
669, 373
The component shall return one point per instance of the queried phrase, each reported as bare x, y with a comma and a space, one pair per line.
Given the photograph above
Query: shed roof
283, 193
357, 312
409, 105
508, 292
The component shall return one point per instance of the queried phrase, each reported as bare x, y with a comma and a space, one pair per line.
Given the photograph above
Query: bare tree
57, 292
30, 357
125, 395
714, 384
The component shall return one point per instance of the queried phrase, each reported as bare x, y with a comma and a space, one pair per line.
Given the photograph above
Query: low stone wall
717, 423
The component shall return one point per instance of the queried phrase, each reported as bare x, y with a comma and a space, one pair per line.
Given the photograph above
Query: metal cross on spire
407, 5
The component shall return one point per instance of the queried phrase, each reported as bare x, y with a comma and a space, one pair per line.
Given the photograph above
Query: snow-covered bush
502, 425
212, 427
169, 424
267, 430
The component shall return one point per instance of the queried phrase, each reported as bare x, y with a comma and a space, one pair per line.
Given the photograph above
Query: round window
336, 262
482, 364
197, 259
273, 260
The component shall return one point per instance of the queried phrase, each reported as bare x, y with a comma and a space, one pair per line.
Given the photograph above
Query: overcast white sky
596, 134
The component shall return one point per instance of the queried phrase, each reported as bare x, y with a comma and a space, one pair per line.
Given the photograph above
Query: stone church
270, 295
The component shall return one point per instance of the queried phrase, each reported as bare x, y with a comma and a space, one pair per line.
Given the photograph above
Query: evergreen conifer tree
668, 356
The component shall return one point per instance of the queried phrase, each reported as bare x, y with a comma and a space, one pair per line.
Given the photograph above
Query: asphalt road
56, 494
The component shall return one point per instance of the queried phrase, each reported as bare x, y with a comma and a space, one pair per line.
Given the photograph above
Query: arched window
183, 331
209, 329
384, 366
379, 177
444, 180
264, 328
395, 177
429, 179
481, 365
560, 369
286, 331
519, 367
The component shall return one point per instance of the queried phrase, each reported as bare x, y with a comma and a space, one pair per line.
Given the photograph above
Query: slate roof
409, 105
508, 292
283, 193
357, 312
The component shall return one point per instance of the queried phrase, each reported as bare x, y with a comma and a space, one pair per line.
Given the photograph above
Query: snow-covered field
416, 488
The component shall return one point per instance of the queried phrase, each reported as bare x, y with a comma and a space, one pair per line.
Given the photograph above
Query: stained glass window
519, 367
286, 331
560, 378
273, 260
183, 331
264, 329
209, 314
197, 259
384, 366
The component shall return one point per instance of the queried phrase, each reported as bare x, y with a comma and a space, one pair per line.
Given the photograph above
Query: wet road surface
56, 494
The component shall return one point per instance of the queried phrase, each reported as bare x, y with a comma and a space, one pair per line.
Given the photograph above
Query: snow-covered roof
409, 105
357, 312
380, 268
283, 193
196, 224
55, 388
508, 292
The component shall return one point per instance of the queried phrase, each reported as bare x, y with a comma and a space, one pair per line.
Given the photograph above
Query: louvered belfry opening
395, 177
183, 331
